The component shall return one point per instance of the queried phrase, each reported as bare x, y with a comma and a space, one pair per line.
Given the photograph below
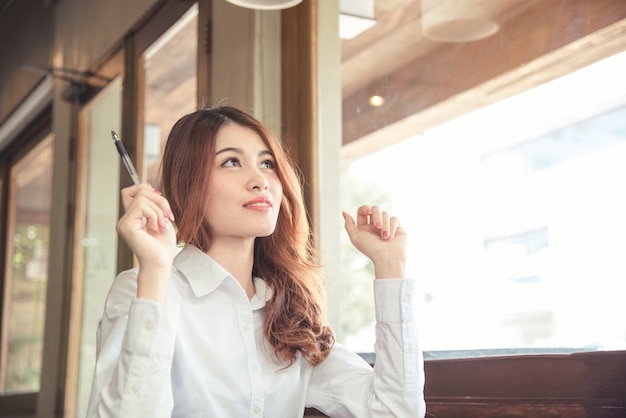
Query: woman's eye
231, 162
268, 164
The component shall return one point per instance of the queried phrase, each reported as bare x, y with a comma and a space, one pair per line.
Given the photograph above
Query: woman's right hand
147, 228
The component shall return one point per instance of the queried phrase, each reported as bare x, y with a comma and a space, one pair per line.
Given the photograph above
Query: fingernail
156, 191
170, 215
378, 224
385, 234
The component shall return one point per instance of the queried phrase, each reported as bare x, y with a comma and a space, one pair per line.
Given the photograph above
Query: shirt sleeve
135, 346
346, 386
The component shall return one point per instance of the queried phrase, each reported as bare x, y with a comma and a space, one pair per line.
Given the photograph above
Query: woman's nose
257, 181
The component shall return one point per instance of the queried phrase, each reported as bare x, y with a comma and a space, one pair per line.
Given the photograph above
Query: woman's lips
259, 203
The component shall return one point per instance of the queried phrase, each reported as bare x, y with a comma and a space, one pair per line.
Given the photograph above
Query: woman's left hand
381, 238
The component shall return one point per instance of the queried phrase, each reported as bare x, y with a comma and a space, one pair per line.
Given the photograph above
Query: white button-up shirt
203, 354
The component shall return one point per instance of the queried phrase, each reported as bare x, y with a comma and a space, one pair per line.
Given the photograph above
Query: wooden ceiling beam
448, 70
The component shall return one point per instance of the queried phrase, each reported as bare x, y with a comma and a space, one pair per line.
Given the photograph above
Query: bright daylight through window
517, 221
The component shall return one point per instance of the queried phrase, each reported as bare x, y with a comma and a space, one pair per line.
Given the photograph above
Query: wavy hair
285, 260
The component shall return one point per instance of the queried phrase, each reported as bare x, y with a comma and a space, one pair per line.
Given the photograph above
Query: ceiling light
356, 16
456, 21
377, 101
265, 4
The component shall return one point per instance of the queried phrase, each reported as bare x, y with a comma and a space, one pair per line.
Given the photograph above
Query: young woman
233, 325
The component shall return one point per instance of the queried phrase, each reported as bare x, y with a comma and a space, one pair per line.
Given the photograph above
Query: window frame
23, 404
549, 385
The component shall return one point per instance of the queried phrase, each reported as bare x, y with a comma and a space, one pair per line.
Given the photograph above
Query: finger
385, 229
128, 194
140, 217
363, 215
131, 194
159, 218
153, 222
350, 225
147, 208
165, 205
394, 227
377, 218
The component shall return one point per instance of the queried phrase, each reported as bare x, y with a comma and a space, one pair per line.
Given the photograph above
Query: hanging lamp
265, 4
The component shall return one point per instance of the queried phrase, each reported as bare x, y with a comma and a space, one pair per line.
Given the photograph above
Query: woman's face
244, 189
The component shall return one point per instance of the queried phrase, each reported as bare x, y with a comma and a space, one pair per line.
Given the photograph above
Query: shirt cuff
151, 329
394, 299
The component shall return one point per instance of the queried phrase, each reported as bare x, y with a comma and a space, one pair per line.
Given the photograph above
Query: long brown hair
294, 316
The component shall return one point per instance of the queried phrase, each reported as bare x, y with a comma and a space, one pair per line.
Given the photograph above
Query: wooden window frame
585, 384
23, 404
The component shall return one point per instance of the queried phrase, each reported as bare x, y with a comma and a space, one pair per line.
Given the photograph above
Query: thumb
350, 225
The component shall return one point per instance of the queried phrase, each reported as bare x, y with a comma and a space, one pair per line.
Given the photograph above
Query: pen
125, 159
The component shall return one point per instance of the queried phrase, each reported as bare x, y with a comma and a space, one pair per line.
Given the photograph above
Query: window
95, 245
26, 270
167, 91
169, 88
506, 186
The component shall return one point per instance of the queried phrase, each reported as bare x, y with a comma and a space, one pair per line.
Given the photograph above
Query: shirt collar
205, 275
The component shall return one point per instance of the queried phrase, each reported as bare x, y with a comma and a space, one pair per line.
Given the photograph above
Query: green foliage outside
26, 309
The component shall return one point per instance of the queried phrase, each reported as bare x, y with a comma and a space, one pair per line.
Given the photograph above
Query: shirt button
254, 367
134, 388
257, 410
410, 349
246, 328
149, 326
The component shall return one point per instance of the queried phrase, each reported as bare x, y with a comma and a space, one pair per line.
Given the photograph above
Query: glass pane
169, 92
97, 214
502, 156
170, 88
26, 275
